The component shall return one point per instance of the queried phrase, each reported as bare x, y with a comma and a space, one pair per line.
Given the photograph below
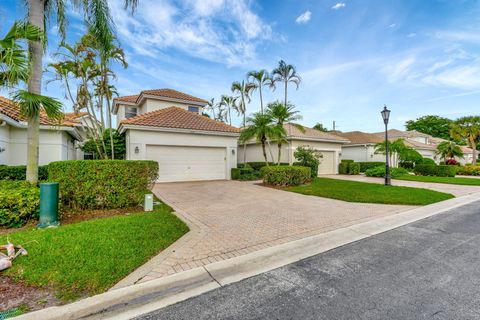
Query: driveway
232, 218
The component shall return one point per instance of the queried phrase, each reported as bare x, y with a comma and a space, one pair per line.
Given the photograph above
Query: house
167, 126
58, 140
361, 147
329, 145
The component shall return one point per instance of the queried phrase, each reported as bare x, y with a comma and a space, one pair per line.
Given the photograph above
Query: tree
449, 150
212, 105
243, 89
467, 128
228, 102
260, 79
282, 114
261, 127
285, 73
308, 157
119, 145
397, 150
97, 18
433, 125
320, 127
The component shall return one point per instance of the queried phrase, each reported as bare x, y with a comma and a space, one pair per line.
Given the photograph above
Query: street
429, 269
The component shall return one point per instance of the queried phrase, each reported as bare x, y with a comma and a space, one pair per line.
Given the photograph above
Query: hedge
343, 167
364, 166
19, 202
260, 164
379, 172
20, 173
469, 171
434, 170
235, 173
353, 168
103, 184
349, 167
285, 175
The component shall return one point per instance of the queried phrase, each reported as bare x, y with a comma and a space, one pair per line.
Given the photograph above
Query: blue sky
418, 57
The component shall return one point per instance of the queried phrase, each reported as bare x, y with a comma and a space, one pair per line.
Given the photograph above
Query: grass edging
446, 180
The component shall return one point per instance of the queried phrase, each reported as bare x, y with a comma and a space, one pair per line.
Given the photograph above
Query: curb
131, 301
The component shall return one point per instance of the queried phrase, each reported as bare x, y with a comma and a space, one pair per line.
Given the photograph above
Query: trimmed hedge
20, 173
283, 176
364, 166
349, 167
379, 172
353, 168
343, 167
235, 173
469, 171
19, 202
434, 170
103, 184
256, 166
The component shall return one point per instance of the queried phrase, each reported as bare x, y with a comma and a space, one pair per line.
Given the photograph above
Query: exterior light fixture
137, 150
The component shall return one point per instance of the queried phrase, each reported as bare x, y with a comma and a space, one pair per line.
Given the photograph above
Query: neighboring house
167, 126
361, 147
58, 140
330, 146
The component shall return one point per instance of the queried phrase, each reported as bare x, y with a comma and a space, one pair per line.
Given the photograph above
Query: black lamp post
386, 115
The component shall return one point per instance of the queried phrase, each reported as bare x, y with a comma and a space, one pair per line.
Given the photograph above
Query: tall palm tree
97, 17
211, 106
228, 102
449, 150
243, 89
282, 114
285, 73
467, 128
396, 150
260, 79
261, 127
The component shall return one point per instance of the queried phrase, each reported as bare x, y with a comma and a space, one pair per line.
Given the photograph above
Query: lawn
448, 180
89, 257
354, 191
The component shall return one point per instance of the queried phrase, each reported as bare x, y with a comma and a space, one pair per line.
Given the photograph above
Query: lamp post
386, 115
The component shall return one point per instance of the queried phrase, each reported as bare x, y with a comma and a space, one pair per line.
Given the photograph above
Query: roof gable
358, 137
162, 93
309, 133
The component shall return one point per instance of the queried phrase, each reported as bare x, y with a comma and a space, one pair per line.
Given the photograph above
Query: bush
256, 166
434, 170
20, 173
235, 173
469, 170
349, 167
19, 202
285, 176
427, 161
353, 168
343, 167
364, 166
452, 162
103, 184
380, 172
308, 157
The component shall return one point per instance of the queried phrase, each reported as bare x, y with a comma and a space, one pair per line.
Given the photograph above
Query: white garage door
188, 163
327, 163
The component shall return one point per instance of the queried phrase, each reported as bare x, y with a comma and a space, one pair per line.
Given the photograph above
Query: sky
354, 56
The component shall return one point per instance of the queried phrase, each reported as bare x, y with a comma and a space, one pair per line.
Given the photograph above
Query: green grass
354, 191
89, 257
448, 180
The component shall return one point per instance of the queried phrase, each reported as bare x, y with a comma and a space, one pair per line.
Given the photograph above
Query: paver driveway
231, 218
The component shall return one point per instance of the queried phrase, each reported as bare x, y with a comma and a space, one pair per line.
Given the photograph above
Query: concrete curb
127, 302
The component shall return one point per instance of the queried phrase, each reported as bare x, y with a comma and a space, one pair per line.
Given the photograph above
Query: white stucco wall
361, 153
142, 138
4, 144
254, 153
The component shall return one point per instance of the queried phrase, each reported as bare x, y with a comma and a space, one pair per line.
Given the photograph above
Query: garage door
188, 163
327, 163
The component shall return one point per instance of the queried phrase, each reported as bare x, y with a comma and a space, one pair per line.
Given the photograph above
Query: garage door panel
185, 163
327, 163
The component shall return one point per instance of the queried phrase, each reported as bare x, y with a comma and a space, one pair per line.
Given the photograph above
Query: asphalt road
425, 270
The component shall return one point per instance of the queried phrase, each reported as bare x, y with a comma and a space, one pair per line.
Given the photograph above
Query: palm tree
243, 89
282, 114
320, 127
396, 148
211, 106
449, 150
228, 102
97, 17
285, 73
467, 128
260, 79
261, 127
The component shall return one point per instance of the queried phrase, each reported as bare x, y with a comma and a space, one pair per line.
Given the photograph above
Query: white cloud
465, 76
338, 6
213, 30
411, 35
304, 17
399, 70
393, 25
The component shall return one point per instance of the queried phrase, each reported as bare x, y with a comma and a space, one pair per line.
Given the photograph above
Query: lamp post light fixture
386, 115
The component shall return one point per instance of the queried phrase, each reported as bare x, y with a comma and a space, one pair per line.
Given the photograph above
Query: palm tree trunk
244, 143
286, 87
474, 151
229, 116
279, 153
36, 10
264, 151
261, 97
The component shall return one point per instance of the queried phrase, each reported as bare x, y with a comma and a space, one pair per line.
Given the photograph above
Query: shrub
469, 170
20, 173
364, 166
285, 176
348, 167
235, 173
19, 202
380, 172
452, 162
353, 168
308, 157
434, 170
103, 184
343, 167
427, 161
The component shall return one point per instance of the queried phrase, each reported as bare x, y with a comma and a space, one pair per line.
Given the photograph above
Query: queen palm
285, 73
260, 79
282, 114
229, 103
98, 19
467, 128
261, 127
449, 150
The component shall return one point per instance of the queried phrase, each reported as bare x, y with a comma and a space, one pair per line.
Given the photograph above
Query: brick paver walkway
232, 218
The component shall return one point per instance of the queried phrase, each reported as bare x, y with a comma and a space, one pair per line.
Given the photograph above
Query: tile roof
358, 137
294, 132
178, 118
395, 133
73, 116
167, 93
419, 145
12, 110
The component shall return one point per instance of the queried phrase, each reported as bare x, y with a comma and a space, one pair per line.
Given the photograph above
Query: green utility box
49, 205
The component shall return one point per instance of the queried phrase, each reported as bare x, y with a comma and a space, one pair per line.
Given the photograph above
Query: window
193, 109
130, 112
